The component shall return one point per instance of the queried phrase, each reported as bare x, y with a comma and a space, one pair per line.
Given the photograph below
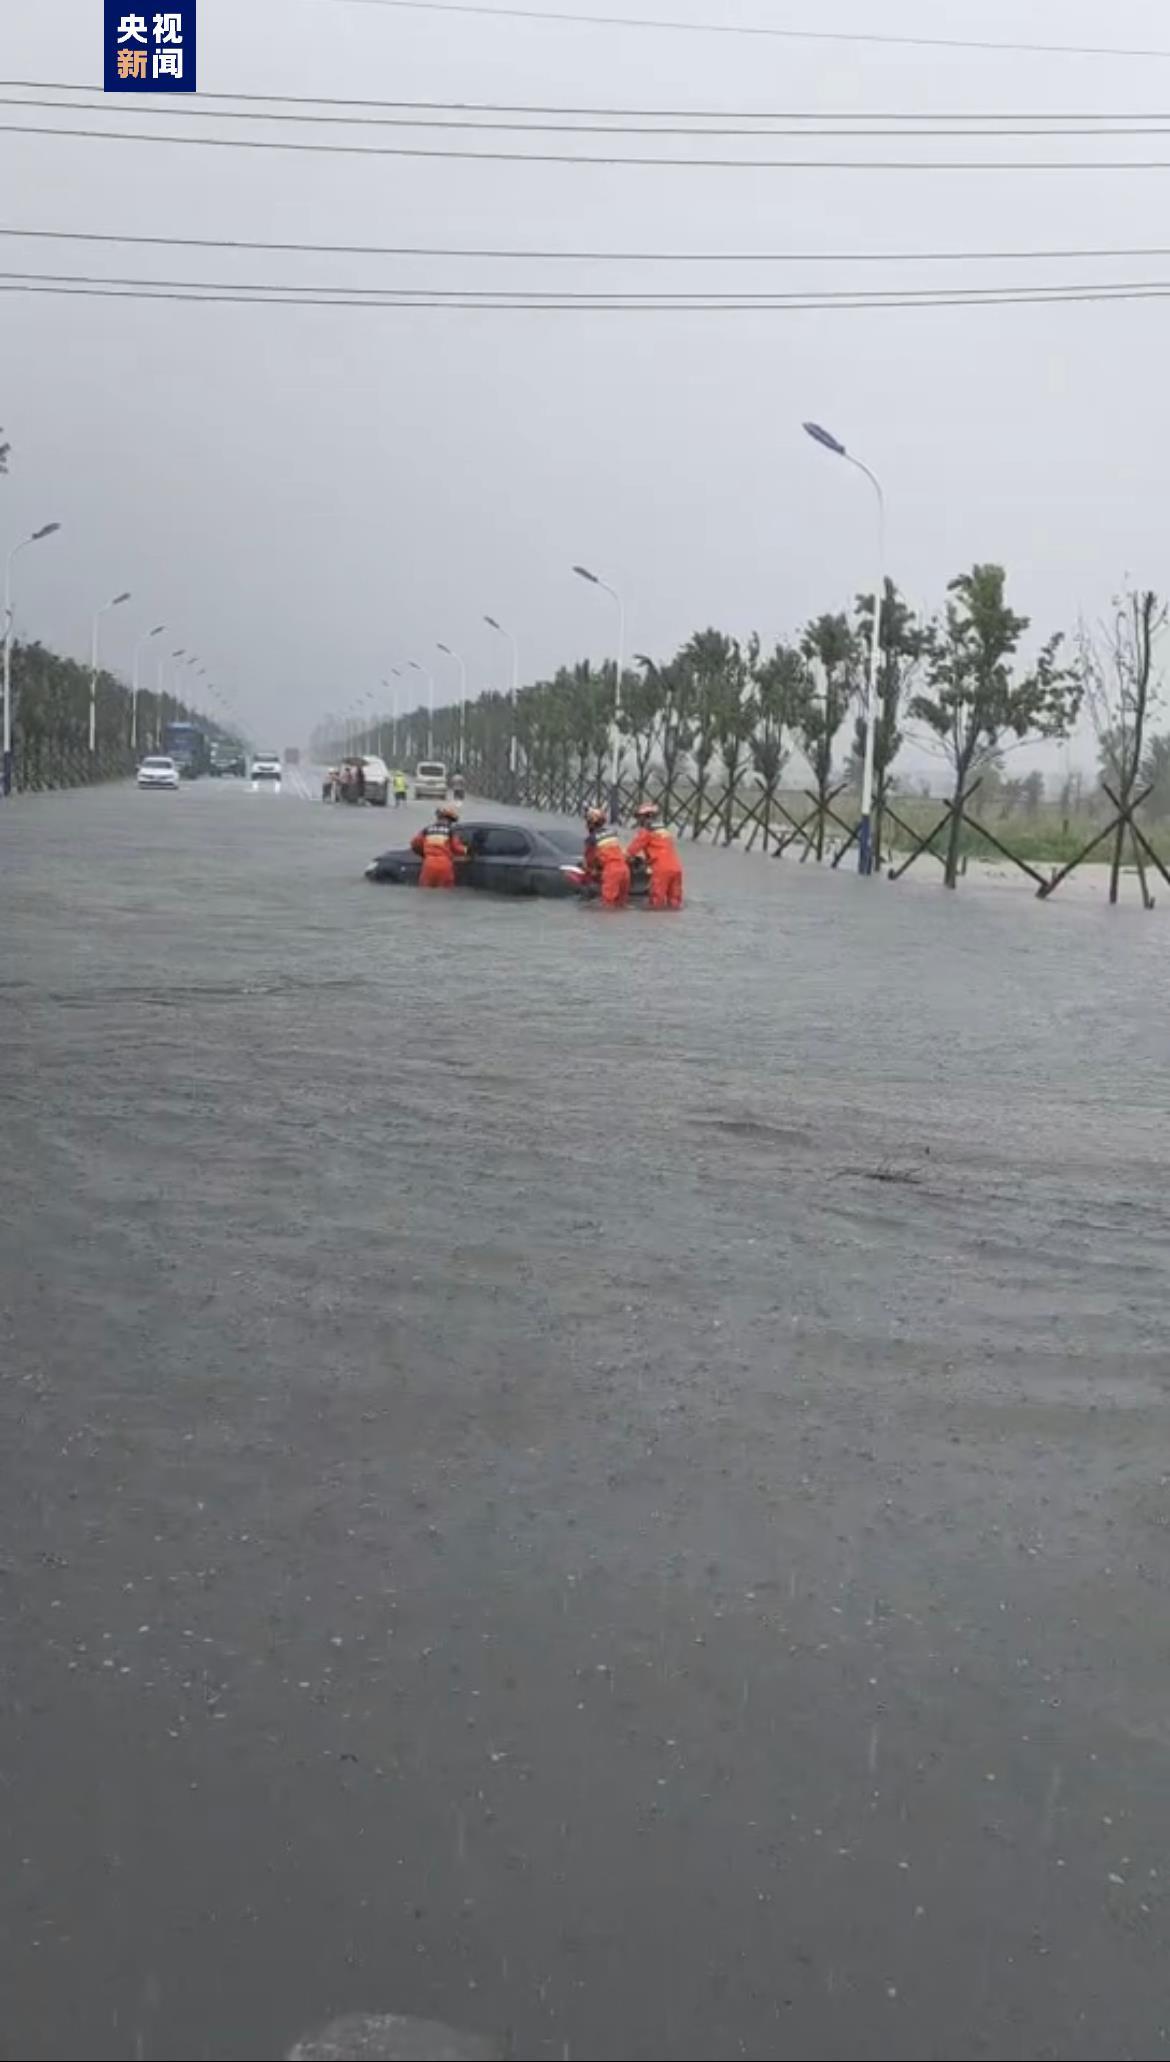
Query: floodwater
596, 1478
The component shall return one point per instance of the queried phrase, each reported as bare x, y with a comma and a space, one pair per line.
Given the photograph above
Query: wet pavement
597, 1479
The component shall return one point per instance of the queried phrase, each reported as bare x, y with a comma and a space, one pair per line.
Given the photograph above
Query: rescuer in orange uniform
439, 846
654, 843
605, 862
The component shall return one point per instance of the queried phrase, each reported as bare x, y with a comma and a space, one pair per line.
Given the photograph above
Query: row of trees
51, 714
723, 719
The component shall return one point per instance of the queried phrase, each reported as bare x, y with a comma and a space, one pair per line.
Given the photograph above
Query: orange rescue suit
607, 863
656, 846
439, 846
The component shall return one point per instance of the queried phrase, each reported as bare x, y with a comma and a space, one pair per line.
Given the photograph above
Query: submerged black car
504, 858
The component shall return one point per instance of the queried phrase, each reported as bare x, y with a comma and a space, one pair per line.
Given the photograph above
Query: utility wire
1118, 126
940, 298
589, 296
711, 28
375, 250
508, 107
534, 157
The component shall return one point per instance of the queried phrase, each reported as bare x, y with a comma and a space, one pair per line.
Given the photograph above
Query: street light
865, 827
594, 579
393, 694
511, 636
104, 610
462, 698
143, 641
49, 530
160, 726
429, 677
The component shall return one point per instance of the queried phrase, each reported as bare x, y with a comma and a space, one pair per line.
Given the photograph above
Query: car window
565, 838
499, 842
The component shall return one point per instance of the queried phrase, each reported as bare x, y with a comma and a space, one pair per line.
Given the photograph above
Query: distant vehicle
504, 859
227, 759
458, 786
292, 756
158, 773
430, 781
377, 776
187, 745
266, 766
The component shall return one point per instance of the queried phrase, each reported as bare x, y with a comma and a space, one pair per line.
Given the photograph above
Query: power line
533, 157
619, 122
375, 250
593, 297
808, 131
507, 107
709, 28
938, 298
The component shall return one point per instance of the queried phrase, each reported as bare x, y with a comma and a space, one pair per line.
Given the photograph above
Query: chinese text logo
152, 52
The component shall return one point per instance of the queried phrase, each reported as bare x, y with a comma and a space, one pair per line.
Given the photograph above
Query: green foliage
901, 642
975, 699
1155, 774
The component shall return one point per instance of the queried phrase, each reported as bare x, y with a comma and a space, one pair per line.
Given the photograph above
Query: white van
430, 781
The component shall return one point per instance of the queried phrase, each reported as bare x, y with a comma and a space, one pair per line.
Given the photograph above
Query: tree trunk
951, 873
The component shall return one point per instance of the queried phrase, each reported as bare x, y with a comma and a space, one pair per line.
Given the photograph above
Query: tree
975, 699
1116, 670
712, 658
1033, 793
782, 689
829, 643
900, 646
735, 721
643, 706
677, 733
4, 451
1155, 774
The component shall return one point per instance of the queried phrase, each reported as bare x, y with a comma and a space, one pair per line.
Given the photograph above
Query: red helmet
447, 812
595, 819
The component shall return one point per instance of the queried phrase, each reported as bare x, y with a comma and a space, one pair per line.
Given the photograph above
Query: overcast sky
309, 496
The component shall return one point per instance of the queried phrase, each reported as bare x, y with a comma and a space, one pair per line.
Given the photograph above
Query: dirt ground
596, 1478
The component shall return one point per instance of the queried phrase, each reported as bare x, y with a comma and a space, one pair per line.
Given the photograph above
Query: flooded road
598, 1479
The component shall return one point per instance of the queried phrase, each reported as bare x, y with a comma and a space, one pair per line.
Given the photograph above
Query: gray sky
308, 496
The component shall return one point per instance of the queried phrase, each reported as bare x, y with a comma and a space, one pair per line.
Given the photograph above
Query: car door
504, 859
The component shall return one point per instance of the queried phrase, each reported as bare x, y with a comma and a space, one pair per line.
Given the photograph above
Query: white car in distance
158, 773
266, 766
430, 781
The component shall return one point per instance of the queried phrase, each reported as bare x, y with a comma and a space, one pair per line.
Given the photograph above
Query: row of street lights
502, 630
116, 601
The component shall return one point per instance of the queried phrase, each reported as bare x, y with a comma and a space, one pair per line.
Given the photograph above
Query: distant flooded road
598, 1479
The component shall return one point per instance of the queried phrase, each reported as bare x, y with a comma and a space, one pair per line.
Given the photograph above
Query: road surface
598, 1479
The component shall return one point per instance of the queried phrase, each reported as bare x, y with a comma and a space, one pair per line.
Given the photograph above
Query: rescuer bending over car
439, 846
654, 845
605, 862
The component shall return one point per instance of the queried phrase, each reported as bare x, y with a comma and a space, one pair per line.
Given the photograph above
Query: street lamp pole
48, 530
139, 648
429, 677
511, 636
583, 573
397, 673
160, 712
105, 608
462, 699
831, 443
